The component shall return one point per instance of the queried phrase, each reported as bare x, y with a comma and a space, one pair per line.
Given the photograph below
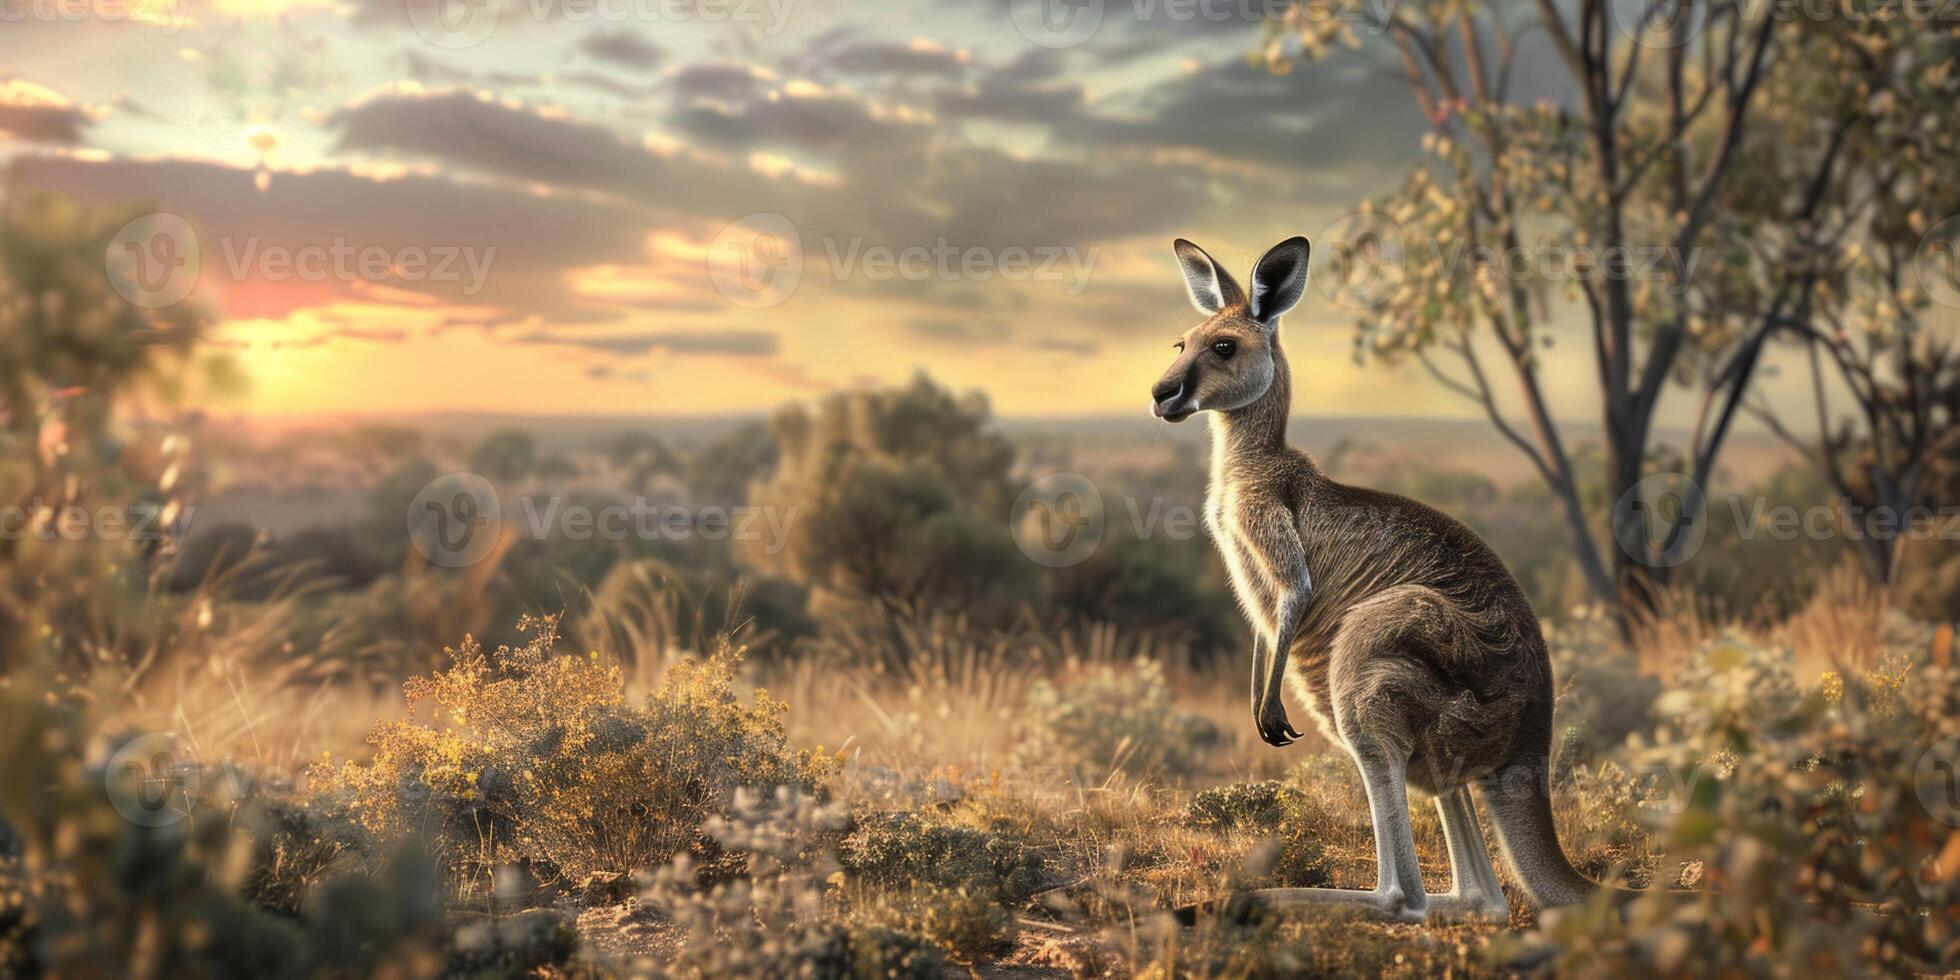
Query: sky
707, 206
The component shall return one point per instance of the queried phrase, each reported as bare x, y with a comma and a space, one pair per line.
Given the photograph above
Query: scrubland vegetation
883, 744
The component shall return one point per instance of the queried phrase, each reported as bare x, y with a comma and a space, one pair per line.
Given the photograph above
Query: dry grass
1842, 625
992, 857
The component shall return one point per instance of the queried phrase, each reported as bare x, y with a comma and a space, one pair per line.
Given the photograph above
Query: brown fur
1410, 642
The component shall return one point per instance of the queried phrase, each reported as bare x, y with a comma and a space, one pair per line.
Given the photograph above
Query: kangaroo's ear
1212, 288
1279, 279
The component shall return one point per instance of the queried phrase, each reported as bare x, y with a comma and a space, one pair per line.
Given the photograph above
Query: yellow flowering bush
531, 755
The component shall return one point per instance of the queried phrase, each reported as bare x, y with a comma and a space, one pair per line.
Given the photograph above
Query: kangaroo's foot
1388, 903
1255, 903
1452, 905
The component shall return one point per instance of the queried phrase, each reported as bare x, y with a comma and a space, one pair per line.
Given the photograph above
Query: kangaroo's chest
1225, 513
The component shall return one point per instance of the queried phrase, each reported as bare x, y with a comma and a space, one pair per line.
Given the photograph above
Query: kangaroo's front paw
1270, 719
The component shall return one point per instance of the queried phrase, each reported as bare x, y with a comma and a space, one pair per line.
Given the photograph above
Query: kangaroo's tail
1520, 803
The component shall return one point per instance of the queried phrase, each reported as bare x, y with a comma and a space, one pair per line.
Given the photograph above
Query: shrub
769, 919
1285, 818
1603, 696
1800, 807
531, 755
1253, 806
95, 892
1114, 722
970, 926
894, 849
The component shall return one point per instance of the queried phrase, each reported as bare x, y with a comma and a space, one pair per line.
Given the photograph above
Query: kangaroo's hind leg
1398, 892
1380, 697
1474, 889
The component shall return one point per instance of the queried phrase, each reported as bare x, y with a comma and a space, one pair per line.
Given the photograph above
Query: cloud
1323, 120
918, 57
739, 343
960, 330
526, 243
1083, 348
622, 49
32, 114
898, 180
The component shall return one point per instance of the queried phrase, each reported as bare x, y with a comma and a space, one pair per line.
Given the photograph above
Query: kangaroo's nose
1167, 391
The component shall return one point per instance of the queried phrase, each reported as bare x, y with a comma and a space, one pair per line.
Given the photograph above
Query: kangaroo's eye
1225, 348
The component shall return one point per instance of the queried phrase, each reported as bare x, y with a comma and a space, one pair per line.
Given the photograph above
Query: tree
1880, 337
505, 456
71, 352
69, 345
893, 498
1633, 183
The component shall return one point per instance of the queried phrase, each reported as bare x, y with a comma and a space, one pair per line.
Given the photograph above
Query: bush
1284, 817
1603, 696
536, 756
1249, 806
770, 919
967, 925
96, 892
894, 849
1114, 723
1799, 804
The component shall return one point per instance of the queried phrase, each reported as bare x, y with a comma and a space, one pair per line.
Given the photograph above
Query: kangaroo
1410, 642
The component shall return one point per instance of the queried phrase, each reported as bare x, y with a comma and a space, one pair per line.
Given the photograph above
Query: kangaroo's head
1227, 361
